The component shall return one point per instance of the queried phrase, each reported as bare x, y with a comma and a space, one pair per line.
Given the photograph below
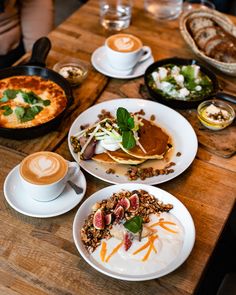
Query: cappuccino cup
124, 51
44, 175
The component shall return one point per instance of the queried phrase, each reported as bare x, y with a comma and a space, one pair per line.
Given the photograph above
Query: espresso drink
124, 43
43, 168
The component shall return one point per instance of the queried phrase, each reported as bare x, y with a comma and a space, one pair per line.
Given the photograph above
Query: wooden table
38, 256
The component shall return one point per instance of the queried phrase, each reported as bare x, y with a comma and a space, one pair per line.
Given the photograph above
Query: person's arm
37, 19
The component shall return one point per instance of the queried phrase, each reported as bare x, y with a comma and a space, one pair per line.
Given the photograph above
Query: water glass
115, 15
164, 9
197, 4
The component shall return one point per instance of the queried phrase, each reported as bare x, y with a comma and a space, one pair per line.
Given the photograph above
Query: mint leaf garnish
122, 119
128, 140
126, 124
134, 224
30, 97
30, 113
19, 111
10, 93
4, 99
46, 102
7, 110
130, 122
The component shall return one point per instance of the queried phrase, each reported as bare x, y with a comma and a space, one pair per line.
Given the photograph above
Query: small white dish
100, 63
179, 211
18, 199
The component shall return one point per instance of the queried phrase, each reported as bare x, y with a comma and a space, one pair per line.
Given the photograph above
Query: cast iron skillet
36, 66
183, 104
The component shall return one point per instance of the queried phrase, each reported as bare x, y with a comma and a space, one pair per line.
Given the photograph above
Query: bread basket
221, 20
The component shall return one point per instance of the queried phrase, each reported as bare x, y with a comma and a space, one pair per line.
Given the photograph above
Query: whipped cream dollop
124, 43
109, 144
43, 166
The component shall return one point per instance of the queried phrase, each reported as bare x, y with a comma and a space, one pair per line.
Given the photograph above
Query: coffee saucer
18, 199
99, 61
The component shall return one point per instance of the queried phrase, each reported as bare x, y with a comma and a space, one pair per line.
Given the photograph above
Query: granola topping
118, 209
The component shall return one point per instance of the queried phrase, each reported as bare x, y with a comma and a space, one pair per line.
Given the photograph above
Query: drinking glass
164, 9
115, 15
195, 4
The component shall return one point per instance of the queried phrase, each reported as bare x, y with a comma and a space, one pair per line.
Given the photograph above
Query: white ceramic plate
99, 61
182, 133
18, 198
179, 211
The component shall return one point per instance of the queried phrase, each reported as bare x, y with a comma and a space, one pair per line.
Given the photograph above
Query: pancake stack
154, 144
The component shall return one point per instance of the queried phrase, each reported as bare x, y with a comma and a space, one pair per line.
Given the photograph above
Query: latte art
43, 168
124, 43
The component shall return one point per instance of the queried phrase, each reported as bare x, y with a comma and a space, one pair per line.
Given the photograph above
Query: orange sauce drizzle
114, 251
149, 244
162, 223
142, 248
103, 251
147, 254
154, 248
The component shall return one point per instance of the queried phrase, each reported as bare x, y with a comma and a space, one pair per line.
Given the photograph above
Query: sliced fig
82, 140
99, 219
108, 219
119, 213
90, 149
125, 203
134, 202
127, 241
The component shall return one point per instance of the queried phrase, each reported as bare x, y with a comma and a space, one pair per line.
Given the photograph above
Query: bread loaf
212, 39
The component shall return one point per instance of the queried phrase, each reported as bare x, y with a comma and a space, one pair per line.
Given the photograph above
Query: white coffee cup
44, 175
124, 51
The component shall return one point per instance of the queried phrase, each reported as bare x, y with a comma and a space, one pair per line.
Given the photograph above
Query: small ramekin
210, 124
74, 63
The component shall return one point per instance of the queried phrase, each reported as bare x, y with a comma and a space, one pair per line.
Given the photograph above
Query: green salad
185, 82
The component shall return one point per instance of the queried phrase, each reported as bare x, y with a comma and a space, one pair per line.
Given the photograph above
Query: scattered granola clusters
153, 118
105, 114
140, 112
135, 173
120, 207
110, 171
75, 144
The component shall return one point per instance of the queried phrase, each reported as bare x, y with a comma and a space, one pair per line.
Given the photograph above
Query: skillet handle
226, 96
40, 52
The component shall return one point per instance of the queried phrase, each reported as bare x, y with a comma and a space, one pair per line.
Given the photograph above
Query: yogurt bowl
215, 114
72, 69
155, 255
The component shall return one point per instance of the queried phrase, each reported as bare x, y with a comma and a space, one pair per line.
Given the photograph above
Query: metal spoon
76, 188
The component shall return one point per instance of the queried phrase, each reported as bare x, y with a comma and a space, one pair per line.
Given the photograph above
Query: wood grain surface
37, 255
